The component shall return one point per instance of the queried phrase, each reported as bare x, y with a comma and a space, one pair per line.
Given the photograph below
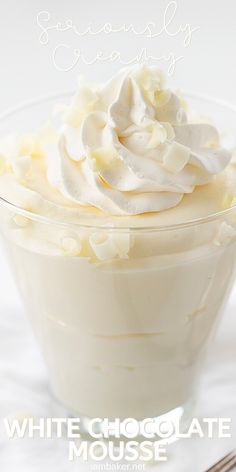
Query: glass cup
123, 315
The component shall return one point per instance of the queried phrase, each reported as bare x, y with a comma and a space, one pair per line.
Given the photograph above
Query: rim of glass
83, 224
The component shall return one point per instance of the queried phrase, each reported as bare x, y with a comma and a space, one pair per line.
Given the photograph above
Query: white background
26, 71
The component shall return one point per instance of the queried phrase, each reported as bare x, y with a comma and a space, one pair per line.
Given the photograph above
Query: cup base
165, 427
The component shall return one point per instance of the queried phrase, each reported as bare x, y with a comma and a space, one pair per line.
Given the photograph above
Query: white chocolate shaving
103, 246
71, 244
225, 235
176, 158
102, 157
158, 135
123, 244
107, 245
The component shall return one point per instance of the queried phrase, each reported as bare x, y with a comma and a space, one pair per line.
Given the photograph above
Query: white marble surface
24, 391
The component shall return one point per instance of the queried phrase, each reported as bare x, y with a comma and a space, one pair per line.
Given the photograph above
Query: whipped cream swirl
127, 147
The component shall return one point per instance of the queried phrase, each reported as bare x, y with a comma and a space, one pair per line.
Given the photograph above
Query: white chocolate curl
107, 245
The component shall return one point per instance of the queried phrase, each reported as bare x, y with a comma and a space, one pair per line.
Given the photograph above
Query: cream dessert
120, 227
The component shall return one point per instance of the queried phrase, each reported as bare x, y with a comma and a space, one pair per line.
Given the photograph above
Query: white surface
24, 391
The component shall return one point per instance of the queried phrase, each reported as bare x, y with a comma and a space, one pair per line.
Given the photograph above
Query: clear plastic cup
123, 334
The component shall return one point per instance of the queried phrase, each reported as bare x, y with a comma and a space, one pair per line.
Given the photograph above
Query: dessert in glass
119, 221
